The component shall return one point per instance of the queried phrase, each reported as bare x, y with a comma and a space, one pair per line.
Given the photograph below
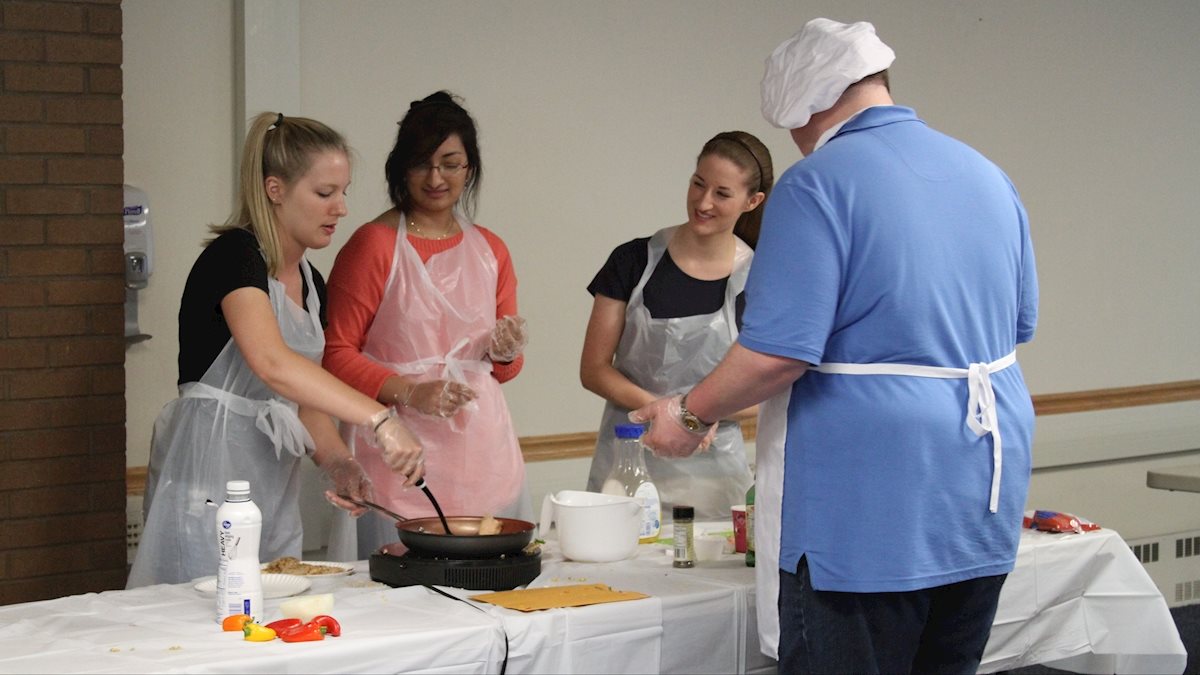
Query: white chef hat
808, 72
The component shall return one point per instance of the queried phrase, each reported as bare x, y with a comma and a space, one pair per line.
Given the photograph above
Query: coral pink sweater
355, 289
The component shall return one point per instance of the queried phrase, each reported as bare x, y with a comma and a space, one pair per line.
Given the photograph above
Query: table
1075, 601
1185, 478
172, 628
1082, 602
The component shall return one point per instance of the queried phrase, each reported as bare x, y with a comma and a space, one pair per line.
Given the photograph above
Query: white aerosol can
239, 579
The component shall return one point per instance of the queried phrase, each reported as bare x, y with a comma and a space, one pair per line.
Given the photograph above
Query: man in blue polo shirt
895, 273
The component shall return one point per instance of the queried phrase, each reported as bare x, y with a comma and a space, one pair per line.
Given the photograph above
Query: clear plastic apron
669, 356
981, 418
435, 322
227, 426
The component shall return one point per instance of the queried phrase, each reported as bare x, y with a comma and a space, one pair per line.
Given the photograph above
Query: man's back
896, 244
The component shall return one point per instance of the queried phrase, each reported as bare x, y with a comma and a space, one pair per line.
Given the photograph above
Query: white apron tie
456, 368
275, 418
981, 399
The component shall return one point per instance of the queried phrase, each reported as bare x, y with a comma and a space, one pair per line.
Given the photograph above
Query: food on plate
305, 607
236, 622
290, 565
256, 633
489, 525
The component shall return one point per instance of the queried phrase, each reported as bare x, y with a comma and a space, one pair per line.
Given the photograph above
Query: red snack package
1053, 521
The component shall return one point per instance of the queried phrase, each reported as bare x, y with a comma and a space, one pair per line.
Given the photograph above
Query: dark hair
881, 77
750, 155
426, 125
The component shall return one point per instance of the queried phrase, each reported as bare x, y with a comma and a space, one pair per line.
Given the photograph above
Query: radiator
1173, 563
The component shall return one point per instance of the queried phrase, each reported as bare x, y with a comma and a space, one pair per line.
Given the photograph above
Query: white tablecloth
172, 629
1075, 602
1082, 602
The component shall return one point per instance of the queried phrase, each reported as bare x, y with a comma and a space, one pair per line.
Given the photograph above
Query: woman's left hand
509, 337
348, 479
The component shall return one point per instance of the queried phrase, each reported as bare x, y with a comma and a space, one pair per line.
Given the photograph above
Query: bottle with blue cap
631, 478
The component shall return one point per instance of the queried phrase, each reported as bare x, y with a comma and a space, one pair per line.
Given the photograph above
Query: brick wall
62, 348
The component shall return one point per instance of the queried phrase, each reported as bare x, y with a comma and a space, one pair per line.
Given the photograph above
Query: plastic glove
509, 337
401, 450
349, 479
666, 436
440, 398
708, 439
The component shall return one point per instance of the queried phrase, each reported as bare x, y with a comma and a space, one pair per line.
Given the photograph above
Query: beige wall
591, 115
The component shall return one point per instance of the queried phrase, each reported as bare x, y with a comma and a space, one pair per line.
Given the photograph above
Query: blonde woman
252, 399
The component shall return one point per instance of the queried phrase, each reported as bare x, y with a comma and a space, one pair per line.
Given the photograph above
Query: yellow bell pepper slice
258, 633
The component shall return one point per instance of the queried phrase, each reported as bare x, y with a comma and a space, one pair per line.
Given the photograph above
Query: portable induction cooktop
396, 566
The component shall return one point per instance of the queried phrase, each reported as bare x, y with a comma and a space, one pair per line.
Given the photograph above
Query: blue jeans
934, 630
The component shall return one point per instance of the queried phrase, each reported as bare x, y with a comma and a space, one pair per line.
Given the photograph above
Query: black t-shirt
669, 293
230, 262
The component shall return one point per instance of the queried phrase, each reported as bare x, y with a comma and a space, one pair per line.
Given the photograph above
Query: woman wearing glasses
423, 316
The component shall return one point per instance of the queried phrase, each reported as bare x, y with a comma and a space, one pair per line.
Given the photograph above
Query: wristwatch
689, 419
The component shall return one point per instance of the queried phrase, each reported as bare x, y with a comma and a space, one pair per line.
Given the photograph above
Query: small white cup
709, 547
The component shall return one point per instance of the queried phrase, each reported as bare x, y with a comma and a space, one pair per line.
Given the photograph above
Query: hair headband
753, 156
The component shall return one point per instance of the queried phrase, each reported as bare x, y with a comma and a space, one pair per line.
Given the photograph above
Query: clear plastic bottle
631, 478
239, 578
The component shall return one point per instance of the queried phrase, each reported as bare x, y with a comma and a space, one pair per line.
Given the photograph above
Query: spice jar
685, 551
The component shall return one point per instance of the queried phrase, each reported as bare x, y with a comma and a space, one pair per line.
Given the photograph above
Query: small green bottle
750, 526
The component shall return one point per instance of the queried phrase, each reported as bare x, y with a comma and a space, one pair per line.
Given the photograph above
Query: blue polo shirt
894, 243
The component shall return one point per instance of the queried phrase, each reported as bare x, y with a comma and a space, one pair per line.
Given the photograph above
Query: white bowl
593, 527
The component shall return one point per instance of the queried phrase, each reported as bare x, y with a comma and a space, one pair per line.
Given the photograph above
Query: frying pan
426, 535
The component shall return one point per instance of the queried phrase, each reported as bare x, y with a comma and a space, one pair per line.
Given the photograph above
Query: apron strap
456, 370
275, 418
981, 398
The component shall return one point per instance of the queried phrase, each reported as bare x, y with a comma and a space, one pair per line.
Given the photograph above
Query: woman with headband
253, 401
665, 310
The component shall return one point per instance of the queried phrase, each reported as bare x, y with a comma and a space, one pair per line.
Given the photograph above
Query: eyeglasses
446, 169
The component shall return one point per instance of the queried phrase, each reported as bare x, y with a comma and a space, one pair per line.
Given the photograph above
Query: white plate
344, 568
274, 585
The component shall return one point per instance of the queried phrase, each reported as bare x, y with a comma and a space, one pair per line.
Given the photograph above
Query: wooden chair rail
577, 445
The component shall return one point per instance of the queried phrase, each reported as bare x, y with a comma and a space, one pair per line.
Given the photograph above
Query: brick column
62, 350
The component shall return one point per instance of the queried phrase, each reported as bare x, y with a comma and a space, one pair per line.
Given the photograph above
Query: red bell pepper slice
330, 625
307, 632
284, 624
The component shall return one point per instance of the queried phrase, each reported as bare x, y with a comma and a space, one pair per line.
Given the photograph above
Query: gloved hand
348, 479
401, 450
666, 435
708, 439
509, 337
440, 398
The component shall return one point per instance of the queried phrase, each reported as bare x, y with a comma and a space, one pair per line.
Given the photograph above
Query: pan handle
372, 505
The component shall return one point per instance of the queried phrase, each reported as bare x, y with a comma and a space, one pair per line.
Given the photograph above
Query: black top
669, 293
230, 262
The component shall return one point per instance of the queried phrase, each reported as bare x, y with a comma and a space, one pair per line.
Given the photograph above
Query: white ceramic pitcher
592, 527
